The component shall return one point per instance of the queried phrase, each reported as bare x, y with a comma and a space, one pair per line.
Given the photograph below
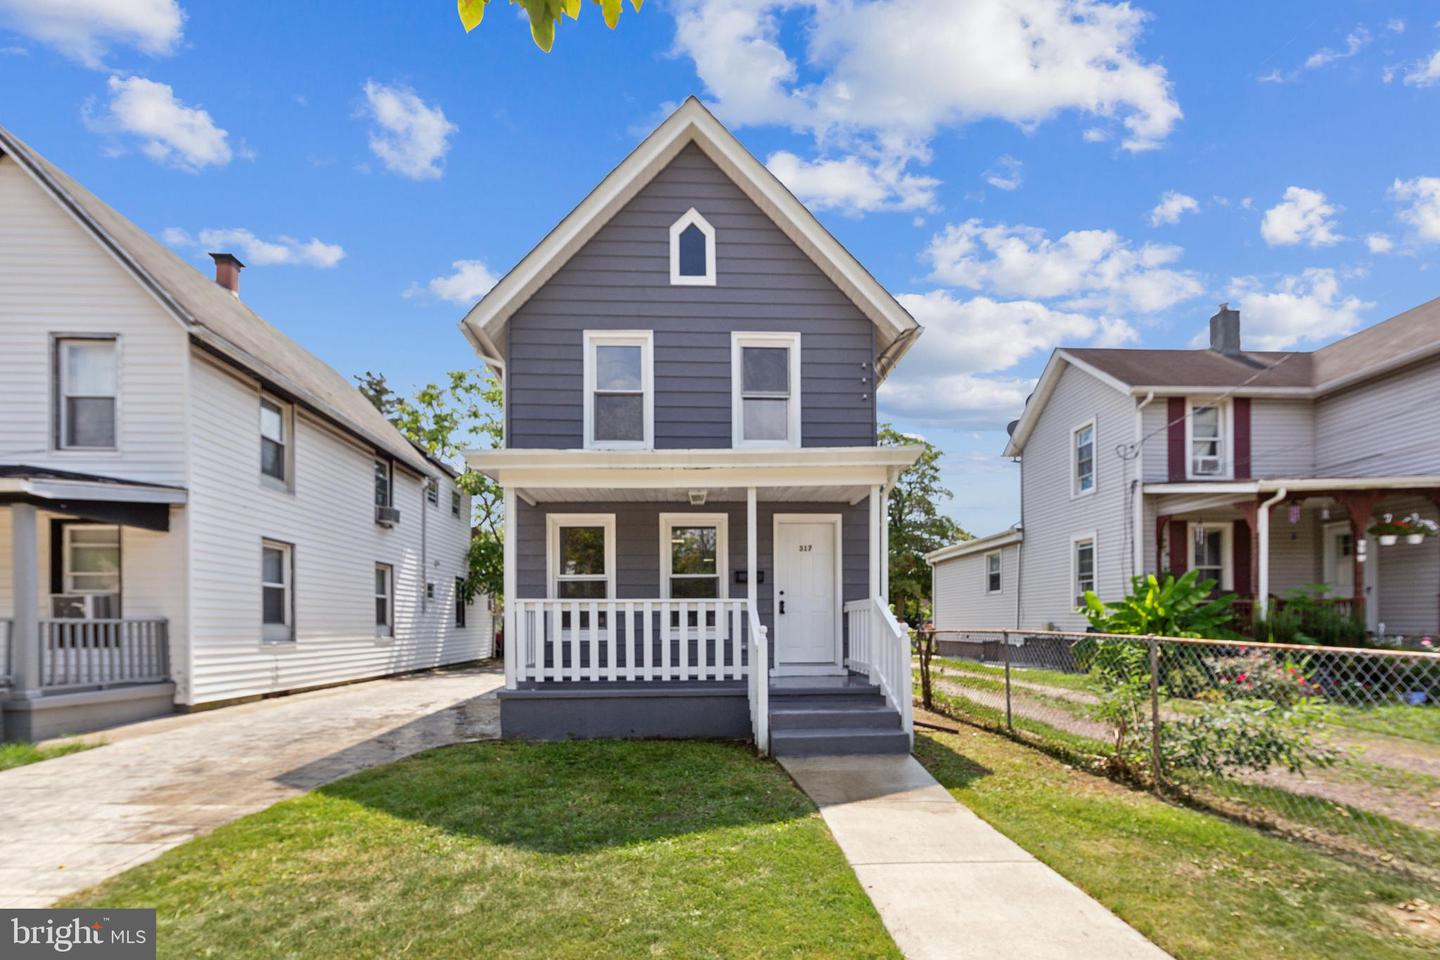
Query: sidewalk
947, 884
72, 821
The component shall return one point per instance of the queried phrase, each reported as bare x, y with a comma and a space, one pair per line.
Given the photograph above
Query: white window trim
279, 632
1075, 541
1227, 549
389, 464
287, 428
386, 631
645, 340
57, 395
721, 523
553, 523
66, 585
692, 216
1227, 434
998, 554
1075, 491
738, 341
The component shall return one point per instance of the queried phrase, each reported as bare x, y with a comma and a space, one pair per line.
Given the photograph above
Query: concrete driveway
68, 823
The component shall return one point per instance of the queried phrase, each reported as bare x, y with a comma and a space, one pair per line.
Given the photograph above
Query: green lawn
20, 753
571, 850
1198, 885
1416, 723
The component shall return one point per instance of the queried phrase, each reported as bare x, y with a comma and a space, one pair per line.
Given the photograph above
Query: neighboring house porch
1267, 540
707, 593
91, 577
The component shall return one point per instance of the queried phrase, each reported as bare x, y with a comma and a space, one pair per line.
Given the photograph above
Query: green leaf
471, 13
572, 9
542, 25
611, 10
635, 5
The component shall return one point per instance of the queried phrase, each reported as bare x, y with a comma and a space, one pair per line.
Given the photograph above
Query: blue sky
1023, 173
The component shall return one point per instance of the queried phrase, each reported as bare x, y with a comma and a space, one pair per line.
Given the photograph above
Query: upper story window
87, 370
619, 389
1082, 459
432, 493
277, 590
383, 484
1082, 567
581, 556
274, 440
455, 502
692, 251
765, 389
1208, 426
992, 572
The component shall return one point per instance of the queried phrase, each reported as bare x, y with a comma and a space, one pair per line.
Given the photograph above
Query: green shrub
1175, 607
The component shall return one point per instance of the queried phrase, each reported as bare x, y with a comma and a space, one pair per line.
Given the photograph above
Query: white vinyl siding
961, 598
1082, 460
1385, 426
1282, 438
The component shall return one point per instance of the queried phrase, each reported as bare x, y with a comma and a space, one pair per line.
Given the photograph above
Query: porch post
512, 640
885, 548
752, 551
875, 541
25, 626
1359, 505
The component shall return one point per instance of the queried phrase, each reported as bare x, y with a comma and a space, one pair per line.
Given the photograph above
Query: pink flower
1427, 642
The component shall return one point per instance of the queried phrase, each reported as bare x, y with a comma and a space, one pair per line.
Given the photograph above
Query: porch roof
810, 473
91, 496
1316, 485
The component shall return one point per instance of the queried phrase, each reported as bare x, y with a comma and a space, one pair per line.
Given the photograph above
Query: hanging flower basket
1389, 530
1420, 528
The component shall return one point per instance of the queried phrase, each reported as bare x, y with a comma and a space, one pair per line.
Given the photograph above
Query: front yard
583, 850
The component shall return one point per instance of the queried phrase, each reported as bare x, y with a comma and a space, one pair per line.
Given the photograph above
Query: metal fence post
1155, 711
1005, 641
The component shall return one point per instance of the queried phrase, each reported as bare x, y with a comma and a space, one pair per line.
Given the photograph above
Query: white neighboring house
193, 509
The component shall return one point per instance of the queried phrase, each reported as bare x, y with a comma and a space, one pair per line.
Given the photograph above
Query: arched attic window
692, 251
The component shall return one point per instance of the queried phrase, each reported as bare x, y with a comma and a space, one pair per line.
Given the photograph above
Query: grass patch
1396, 720
20, 753
514, 850
1051, 678
1197, 885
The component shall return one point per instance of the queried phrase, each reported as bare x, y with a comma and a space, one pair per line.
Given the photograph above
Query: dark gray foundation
596, 711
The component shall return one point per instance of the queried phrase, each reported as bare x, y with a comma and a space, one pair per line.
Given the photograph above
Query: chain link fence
1338, 746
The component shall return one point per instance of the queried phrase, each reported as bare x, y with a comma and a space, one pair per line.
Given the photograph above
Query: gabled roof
983, 544
1199, 368
895, 329
214, 317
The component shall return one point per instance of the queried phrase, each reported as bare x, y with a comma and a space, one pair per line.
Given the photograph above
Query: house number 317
806, 547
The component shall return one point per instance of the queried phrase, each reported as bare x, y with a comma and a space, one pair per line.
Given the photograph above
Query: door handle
782, 606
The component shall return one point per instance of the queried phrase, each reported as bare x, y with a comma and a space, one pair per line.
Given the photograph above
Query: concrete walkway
68, 823
947, 884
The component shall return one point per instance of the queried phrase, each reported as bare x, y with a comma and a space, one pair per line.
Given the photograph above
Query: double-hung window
582, 556
693, 560
1082, 459
992, 572
90, 568
619, 389
459, 602
765, 389
384, 600
383, 477
432, 493
277, 590
455, 502
1206, 424
274, 440
1210, 553
1082, 567
86, 389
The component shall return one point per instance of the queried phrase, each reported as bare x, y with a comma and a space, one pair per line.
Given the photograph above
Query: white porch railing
759, 685
560, 640
89, 653
880, 647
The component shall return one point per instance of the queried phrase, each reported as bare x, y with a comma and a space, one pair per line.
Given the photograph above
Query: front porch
1305, 544
675, 593
84, 643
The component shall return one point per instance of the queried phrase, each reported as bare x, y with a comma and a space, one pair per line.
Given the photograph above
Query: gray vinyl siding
961, 599
620, 280
637, 545
1282, 438
1386, 426
1155, 461
1052, 517
1409, 578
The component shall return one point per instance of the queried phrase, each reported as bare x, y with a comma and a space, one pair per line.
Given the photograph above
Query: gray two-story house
1265, 471
694, 494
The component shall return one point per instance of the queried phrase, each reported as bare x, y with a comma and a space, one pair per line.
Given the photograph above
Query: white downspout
1262, 534
1137, 535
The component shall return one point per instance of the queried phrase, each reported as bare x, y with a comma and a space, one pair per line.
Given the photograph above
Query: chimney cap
220, 258
227, 271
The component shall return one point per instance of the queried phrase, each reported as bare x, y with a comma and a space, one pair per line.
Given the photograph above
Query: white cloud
1378, 243
1302, 216
1096, 269
1308, 307
1357, 40
958, 400
853, 185
254, 251
1422, 194
1395, 25
1425, 73
1006, 174
410, 136
84, 30
468, 282
169, 131
1095, 135
1172, 206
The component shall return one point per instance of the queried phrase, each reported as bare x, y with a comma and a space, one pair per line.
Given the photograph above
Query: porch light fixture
697, 498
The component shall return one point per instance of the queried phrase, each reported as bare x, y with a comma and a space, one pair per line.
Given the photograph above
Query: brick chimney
1225, 330
227, 271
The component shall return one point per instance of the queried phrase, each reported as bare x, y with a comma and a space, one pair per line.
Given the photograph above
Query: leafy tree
916, 527
544, 14
444, 420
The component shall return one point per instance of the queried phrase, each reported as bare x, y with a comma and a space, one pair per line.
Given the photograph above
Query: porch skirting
82, 711
713, 709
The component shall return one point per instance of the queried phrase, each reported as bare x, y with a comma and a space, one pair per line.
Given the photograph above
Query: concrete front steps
832, 716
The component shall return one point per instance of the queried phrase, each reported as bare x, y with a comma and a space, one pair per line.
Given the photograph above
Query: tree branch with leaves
917, 526
544, 15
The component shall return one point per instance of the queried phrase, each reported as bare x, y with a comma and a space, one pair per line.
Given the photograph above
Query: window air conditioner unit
1207, 468
387, 516
84, 606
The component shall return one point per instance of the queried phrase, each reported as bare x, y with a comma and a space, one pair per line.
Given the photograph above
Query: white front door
807, 600
1339, 559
